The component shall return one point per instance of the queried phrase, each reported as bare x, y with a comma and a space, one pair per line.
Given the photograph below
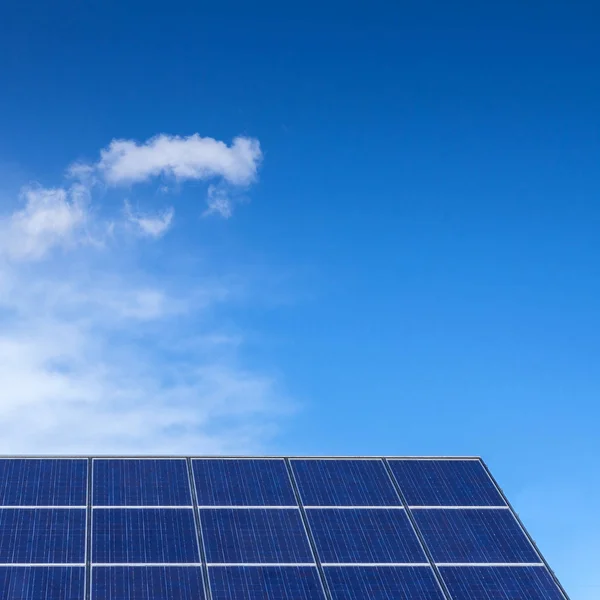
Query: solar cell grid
364, 536
254, 536
143, 544
147, 583
344, 483
500, 583
43, 482
242, 482
141, 482
474, 536
42, 583
44, 535
144, 535
382, 583
445, 483
265, 583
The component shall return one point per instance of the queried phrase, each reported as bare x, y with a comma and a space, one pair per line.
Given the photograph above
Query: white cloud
218, 202
51, 217
154, 226
99, 353
192, 157
108, 360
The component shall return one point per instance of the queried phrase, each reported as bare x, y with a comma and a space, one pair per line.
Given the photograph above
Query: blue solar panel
43, 482
244, 482
144, 535
254, 536
445, 483
382, 583
147, 583
146, 482
344, 483
42, 583
265, 583
500, 583
364, 536
43, 535
474, 535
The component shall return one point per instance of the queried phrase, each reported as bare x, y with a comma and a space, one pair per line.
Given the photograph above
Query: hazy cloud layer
98, 354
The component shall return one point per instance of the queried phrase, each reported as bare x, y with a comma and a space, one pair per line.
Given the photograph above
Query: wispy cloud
151, 225
192, 157
101, 354
229, 167
218, 202
49, 217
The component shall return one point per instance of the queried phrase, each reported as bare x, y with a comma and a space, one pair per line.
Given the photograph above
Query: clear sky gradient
409, 265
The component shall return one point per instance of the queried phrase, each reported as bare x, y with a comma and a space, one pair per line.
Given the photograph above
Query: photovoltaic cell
344, 483
382, 583
445, 483
244, 482
147, 583
147, 482
42, 583
140, 535
472, 535
254, 536
45, 535
43, 482
364, 536
500, 583
144, 544
265, 583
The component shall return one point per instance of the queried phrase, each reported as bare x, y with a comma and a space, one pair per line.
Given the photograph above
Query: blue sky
399, 255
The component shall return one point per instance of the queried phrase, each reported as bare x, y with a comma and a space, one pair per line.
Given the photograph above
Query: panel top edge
230, 457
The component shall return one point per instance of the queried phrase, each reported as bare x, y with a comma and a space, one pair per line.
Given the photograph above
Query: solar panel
445, 483
344, 483
231, 529
147, 583
243, 482
144, 535
42, 583
142, 482
254, 536
364, 536
265, 583
474, 536
382, 583
43, 535
500, 583
43, 482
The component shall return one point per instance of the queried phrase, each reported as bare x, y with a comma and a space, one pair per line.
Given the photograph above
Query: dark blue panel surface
382, 583
364, 536
500, 583
43, 482
244, 482
42, 583
344, 483
147, 482
474, 535
254, 536
445, 483
144, 535
265, 583
42, 535
147, 583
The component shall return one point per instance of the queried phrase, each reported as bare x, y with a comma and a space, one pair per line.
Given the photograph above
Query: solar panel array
262, 529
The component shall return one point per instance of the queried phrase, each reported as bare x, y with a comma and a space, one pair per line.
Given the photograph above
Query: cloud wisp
50, 217
98, 353
192, 157
150, 225
228, 168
